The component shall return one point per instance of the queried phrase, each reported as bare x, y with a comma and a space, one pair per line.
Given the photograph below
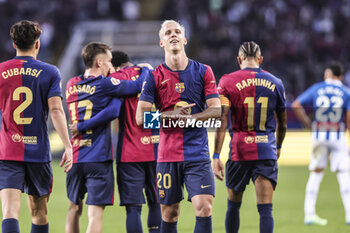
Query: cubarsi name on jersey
191, 123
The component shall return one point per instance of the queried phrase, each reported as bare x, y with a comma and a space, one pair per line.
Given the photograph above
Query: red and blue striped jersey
254, 95
135, 144
171, 89
26, 84
86, 97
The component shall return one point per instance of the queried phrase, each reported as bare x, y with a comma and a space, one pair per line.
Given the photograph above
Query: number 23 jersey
26, 85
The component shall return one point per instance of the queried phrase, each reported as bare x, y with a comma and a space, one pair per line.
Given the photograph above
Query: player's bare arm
347, 115
213, 110
300, 113
59, 121
142, 106
218, 166
281, 128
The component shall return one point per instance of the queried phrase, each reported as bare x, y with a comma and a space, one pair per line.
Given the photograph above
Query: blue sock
40, 228
133, 219
232, 216
266, 218
154, 218
10, 225
203, 225
168, 227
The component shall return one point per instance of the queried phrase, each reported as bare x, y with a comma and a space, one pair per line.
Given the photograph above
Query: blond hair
165, 22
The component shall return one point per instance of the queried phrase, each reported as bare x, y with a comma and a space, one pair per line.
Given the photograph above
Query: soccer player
253, 96
136, 155
29, 91
182, 87
330, 102
92, 171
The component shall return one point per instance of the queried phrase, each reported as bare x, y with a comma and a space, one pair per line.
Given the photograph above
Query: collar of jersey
333, 81
187, 67
24, 57
253, 69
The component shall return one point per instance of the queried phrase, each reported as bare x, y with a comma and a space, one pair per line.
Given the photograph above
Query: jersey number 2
16, 96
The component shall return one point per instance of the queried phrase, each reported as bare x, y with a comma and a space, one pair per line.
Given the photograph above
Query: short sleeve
210, 90
224, 97
148, 89
306, 98
55, 88
281, 97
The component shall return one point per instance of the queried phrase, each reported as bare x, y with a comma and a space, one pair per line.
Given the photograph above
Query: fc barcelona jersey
254, 95
170, 89
26, 84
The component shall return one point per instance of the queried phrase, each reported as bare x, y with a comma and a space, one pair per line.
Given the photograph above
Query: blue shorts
32, 178
198, 177
238, 173
132, 178
97, 179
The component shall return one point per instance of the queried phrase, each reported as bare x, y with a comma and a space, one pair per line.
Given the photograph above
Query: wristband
279, 147
216, 156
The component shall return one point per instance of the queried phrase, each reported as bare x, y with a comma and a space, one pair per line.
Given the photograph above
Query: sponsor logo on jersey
147, 140
256, 139
32, 140
179, 87
161, 193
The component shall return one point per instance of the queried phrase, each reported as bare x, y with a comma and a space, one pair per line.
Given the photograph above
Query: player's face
172, 37
105, 63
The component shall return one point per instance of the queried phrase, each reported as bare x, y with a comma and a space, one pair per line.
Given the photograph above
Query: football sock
133, 219
203, 225
39, 228
232, 216
10, 225
168, 227
154, 218
266, 218
312, 188
344, 186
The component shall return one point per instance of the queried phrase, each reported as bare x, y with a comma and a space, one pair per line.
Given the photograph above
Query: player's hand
145, 65
278, 153
183, 112
218, 168
67, 159
74, 129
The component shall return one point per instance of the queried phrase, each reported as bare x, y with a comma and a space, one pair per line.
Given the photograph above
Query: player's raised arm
123, 88
110, 112
59, 121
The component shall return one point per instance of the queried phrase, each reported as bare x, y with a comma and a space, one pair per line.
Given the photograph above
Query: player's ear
161, 43
185, 41
14, 45
239, 60
37, 44
261, 60
98, 62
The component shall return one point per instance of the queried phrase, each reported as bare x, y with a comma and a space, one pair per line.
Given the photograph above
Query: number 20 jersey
329, 101
26, 85
254, 95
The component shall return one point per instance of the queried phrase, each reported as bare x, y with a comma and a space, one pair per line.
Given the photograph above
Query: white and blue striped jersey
329, 100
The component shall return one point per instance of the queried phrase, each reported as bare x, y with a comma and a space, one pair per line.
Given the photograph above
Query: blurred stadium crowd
298, 37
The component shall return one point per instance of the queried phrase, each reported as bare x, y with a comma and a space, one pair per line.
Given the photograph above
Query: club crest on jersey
115, 81
179, 87
161, 193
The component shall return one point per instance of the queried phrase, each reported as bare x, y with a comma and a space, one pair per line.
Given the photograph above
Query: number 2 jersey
171, 89
26, 84
254, 95
329, 101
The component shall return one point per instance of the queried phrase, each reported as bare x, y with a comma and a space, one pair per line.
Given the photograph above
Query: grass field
288, 202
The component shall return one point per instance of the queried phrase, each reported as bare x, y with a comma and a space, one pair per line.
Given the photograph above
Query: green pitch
288, 207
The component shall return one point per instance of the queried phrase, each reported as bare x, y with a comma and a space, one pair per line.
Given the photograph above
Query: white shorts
338, 154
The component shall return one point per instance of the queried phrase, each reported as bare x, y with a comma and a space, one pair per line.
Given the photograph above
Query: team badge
179, 87
161, 193
115, 81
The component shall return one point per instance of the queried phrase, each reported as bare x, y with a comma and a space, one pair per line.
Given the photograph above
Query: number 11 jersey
254, 95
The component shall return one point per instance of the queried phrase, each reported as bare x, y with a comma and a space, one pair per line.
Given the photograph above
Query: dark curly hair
336, 68
25, 33
119, 57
